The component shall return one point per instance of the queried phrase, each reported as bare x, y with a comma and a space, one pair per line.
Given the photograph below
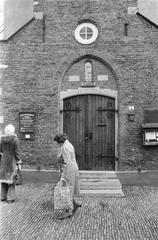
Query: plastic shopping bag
63, 196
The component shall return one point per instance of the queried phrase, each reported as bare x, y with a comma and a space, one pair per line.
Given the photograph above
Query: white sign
102, 77
27, 136
150, 135
74, 78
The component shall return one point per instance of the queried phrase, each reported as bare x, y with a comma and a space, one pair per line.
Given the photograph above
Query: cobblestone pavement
32, 217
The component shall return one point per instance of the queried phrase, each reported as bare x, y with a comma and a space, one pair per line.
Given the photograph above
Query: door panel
89, 121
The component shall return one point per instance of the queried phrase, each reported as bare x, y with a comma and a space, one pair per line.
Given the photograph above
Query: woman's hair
60, 138
9, 129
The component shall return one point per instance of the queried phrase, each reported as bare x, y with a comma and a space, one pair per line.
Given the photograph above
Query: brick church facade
90, 69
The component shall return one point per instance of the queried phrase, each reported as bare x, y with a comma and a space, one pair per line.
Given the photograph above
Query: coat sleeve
0, 151
17, 150
60, 151
66, 154
0, 146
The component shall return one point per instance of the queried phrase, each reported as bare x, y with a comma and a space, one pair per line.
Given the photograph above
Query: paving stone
32, 216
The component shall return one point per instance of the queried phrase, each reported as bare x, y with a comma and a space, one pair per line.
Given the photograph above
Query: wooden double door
89, 122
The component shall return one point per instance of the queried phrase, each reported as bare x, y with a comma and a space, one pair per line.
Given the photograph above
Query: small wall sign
102, 77
74, 78
27, 125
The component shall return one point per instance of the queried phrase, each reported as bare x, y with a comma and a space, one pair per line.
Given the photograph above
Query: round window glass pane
86, 33
83, 30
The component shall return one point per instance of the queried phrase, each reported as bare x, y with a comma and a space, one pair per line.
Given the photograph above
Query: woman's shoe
65, 215
2, 200
76, 206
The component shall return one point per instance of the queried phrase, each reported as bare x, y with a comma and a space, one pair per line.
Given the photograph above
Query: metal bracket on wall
126, 28
44, 27
70, 110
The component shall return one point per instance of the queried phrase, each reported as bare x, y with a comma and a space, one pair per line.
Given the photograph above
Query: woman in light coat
10, 157
70, 171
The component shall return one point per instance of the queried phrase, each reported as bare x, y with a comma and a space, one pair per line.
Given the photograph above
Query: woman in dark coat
9, 149
70, 171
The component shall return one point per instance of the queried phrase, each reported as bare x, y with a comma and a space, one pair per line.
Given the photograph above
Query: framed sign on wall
27, 125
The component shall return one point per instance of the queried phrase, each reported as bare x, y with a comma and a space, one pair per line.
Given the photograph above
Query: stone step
90, 186
102, 193
97, 174
100, 187
98, 177
100, 181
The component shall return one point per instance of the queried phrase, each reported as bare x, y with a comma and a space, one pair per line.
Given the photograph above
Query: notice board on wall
150, 128
27, 125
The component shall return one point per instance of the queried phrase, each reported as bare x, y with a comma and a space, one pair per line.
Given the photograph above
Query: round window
86, 33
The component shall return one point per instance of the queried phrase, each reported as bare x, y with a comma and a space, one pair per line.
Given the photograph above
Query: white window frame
87, 25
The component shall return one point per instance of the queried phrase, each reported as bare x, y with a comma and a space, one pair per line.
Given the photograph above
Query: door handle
88, 136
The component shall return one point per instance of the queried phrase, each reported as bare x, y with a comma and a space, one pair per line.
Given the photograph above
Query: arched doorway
89, 121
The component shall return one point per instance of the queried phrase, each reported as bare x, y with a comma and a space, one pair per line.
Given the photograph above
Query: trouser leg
11, 192
4, 191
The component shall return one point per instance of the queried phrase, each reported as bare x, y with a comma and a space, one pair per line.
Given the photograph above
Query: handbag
18, 176
63, 199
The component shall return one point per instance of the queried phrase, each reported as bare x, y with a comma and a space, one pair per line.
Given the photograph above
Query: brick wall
39, 63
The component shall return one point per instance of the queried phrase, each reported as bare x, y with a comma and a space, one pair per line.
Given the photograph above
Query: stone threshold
101, 193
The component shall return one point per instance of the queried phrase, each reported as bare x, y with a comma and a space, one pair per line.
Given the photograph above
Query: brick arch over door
92, 57
101, 74
73, 58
